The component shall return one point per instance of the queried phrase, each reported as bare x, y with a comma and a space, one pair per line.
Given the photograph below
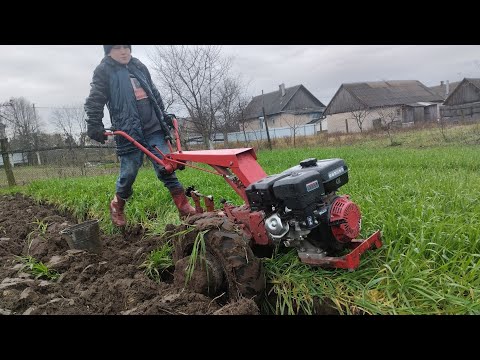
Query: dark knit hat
108, 48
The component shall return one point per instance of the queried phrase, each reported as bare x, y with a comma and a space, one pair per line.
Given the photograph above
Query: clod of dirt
241, 307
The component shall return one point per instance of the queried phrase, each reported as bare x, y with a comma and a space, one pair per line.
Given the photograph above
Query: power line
61, 108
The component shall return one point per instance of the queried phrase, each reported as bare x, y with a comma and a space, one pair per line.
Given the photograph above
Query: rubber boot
181, 202
116, 211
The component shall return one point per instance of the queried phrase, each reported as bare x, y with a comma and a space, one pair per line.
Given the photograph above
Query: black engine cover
333, 173
300, 188
260, 194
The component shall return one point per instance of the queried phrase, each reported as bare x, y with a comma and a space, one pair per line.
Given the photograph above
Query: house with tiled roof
359, 106
285, 107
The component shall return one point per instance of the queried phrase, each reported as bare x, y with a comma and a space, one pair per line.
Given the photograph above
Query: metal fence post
6, 162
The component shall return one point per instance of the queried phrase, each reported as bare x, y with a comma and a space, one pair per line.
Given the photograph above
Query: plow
298, 208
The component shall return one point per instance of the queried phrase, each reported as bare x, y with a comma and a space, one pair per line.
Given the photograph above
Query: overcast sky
59, 75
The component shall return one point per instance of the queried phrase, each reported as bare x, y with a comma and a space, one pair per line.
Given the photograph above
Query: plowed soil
110, 283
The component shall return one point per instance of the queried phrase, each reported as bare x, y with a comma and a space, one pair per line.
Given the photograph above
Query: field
24, 175
422, 195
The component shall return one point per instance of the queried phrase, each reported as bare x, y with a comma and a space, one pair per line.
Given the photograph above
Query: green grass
41, 230
26, 174
422, 195
37, 268
425, 204
198, 252
158, 261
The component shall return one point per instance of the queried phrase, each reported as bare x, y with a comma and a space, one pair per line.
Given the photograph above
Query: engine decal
335, 172
312, 185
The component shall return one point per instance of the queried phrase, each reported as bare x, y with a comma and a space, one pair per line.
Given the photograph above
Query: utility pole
266, 122
6, 162
4, 151
243, 123
35, 136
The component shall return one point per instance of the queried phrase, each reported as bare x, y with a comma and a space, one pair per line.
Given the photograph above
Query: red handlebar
165, 163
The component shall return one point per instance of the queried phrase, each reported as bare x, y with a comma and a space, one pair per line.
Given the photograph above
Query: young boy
124, 84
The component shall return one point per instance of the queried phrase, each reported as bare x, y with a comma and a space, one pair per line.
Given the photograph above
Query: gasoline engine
302, 208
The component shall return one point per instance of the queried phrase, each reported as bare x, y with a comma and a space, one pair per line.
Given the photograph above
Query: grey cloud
59, 75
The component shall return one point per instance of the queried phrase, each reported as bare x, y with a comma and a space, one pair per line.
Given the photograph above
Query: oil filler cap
308, 162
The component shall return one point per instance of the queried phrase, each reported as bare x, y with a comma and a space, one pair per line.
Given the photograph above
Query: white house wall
336, 122
279, 121
15, 158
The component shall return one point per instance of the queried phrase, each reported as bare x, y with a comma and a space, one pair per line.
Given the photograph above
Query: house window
261, 122
273, 121
399, 111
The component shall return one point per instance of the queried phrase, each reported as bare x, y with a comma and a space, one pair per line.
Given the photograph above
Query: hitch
196, 196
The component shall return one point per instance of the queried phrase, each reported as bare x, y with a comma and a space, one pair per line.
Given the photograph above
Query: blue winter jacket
111, 86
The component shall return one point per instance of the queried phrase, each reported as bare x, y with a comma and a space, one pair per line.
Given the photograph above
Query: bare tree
24, 123
70, 121
194, 73
231, 109
442, 123
388, 117
186, 132
359, 116
242, 105
294, 125
168, 96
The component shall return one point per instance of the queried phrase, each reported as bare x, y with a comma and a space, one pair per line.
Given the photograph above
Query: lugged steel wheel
228, 264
